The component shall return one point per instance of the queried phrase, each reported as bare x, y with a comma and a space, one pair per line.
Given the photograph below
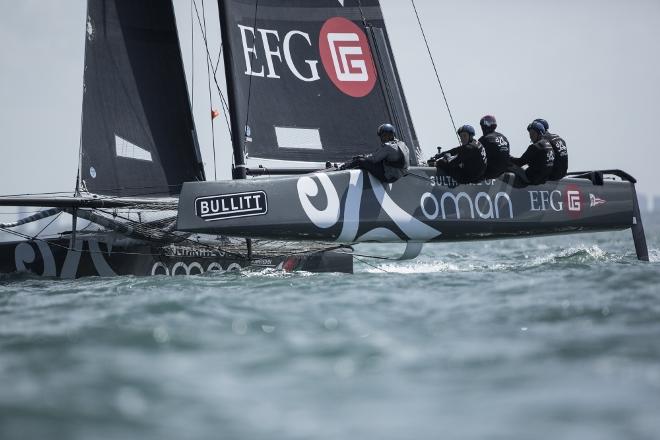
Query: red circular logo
347, 58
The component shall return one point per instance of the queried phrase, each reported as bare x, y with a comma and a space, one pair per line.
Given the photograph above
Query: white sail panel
129, 150
299, 138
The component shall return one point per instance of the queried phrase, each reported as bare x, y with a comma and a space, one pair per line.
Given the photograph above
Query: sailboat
138, 146
309, 82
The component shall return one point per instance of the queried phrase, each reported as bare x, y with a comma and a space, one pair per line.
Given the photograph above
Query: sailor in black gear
466, 163
390, 162
561, 152
539, 157
496, 146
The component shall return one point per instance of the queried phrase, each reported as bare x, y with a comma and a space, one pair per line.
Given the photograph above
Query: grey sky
590, 67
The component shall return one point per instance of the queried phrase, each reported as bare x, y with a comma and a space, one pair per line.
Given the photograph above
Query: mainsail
310, 81
138, 134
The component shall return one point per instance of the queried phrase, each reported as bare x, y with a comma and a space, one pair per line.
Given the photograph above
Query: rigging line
82, 111
49, 223
437, 75
364, 19
53, 193
387, 90
223, 101
171, 235
377, 257
208, 77
426, 179
217, 63
247, 116
371, 265
192, 56
208, 55
82, 251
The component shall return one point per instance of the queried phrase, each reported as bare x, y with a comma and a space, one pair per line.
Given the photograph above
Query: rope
82, 114
223, 101
247, 116
49, 223
364, 19
371, 265
208, 73
40, 215
437, 75
192, 56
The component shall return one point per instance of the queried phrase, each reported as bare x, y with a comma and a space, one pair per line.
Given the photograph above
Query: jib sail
138, 134
308, 81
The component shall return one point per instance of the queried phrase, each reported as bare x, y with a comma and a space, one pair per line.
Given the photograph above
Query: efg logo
574, 201
343, 47
347, 58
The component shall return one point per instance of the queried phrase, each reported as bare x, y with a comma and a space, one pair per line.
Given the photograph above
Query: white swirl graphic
307, 189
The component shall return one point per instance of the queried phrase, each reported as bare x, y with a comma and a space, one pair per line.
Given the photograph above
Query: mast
237, 132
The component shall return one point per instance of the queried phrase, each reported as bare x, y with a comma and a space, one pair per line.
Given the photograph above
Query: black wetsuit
498, 154
466, 164
389, 163
541, 159
561, 156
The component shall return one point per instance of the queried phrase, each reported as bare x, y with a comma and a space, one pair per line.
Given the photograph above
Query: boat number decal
226, 206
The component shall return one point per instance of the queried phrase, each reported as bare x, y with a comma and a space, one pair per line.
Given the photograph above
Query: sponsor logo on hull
447, 205
574, 201
570, 201
194, 268
221, 207
482, 206
25, 255
350, 205
541, 201
596, 201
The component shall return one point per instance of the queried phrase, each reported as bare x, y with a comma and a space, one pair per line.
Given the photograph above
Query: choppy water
555, 338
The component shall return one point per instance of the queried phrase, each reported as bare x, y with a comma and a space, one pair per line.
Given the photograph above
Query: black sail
308, 81
138, 134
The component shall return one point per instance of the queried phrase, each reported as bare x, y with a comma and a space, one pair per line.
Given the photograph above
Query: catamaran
308, 82
138, 146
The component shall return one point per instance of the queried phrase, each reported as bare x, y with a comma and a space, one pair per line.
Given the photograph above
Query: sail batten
138, 133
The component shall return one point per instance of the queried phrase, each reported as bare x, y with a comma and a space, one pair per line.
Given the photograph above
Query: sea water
553, 338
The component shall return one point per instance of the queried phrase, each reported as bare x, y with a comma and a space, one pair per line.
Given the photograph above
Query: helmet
488, 121
467, 129
386, 129
544, 123
536, 126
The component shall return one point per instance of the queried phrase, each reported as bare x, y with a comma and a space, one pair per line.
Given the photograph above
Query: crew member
539, 157
496, 146
561, 152
466, 163
390, 162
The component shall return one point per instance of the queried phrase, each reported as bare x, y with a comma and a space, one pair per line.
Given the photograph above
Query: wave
514, 262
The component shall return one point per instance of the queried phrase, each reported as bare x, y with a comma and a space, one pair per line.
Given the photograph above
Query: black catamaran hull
353, 206
109, 255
